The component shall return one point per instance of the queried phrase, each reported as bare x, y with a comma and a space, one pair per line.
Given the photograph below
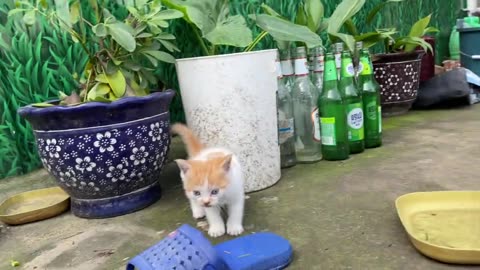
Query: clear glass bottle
286, 134
286, 63
318, 66
337, 51
307, 125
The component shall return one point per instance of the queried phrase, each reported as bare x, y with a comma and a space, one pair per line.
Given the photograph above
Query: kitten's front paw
235, 229
216, 231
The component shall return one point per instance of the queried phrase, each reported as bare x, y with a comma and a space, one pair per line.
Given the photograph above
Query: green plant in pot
398, 70
230, 99
106, 144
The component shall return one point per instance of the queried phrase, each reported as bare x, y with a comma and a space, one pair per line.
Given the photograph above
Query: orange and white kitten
212, 179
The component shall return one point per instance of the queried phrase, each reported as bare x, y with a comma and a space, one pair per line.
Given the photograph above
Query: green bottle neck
330, 71
367, 68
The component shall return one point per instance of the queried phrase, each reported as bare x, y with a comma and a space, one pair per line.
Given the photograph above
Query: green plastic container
454, 44
470, 49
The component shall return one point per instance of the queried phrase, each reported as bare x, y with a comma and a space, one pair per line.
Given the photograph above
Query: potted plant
398, 69
230, 100
106, 145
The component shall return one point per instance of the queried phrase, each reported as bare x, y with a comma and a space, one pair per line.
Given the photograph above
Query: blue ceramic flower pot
106, 156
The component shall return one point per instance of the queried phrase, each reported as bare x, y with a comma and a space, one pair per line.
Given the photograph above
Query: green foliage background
37, 62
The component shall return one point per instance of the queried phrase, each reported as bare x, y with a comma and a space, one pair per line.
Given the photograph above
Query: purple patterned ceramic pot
106, 156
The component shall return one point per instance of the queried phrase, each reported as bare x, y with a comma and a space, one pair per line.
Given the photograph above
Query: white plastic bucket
230, 101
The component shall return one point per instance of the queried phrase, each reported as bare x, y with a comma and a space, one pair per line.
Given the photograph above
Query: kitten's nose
206, 202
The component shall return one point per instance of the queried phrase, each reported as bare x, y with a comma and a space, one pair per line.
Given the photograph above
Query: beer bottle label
316, 125
350, 69
279, 70
287, 68
355, 122
328, 130
319, 63
372, 112
380, 119
366, 67
285, 130
301, 66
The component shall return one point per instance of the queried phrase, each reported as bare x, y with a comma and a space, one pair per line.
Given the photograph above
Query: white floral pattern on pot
107, 162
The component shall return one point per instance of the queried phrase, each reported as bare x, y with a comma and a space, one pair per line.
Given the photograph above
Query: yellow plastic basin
443, 225
34, 205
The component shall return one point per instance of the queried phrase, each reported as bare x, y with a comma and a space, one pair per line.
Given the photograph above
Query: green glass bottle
353, 103
371, 102
333, 117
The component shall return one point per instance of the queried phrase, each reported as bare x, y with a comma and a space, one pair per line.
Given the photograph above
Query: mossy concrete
337, 215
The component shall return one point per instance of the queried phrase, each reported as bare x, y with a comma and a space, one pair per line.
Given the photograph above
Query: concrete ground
337, 215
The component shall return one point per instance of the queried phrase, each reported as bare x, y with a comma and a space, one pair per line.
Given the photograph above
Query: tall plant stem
256, 41
200, 39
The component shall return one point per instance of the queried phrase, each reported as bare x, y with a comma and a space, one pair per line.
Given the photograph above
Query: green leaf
101, 78
15, 11
152, 60
314, 11
270, 11
372, 38
351, 28
212, 18
419, 27
122, 34
140, 3
169, 46
108, 17
169, 14
117, 83
371, 15
137, 89
166, 36
29, 17
100, 30
411, 43
75, 12
417, 30
63, 13
233, 32
282, 30
144, 35
161, 56
188, 9
349, 40
344, 11
430, 29
159, 23
42, 105
301, 18
43, 3
98, 90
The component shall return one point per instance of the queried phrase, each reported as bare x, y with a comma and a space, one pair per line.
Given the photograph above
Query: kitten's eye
214, 192
196, 193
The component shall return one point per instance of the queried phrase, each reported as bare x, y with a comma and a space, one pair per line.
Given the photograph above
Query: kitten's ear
183, 165
227, 162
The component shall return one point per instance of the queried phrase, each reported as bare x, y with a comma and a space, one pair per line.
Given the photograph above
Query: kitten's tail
194, 146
